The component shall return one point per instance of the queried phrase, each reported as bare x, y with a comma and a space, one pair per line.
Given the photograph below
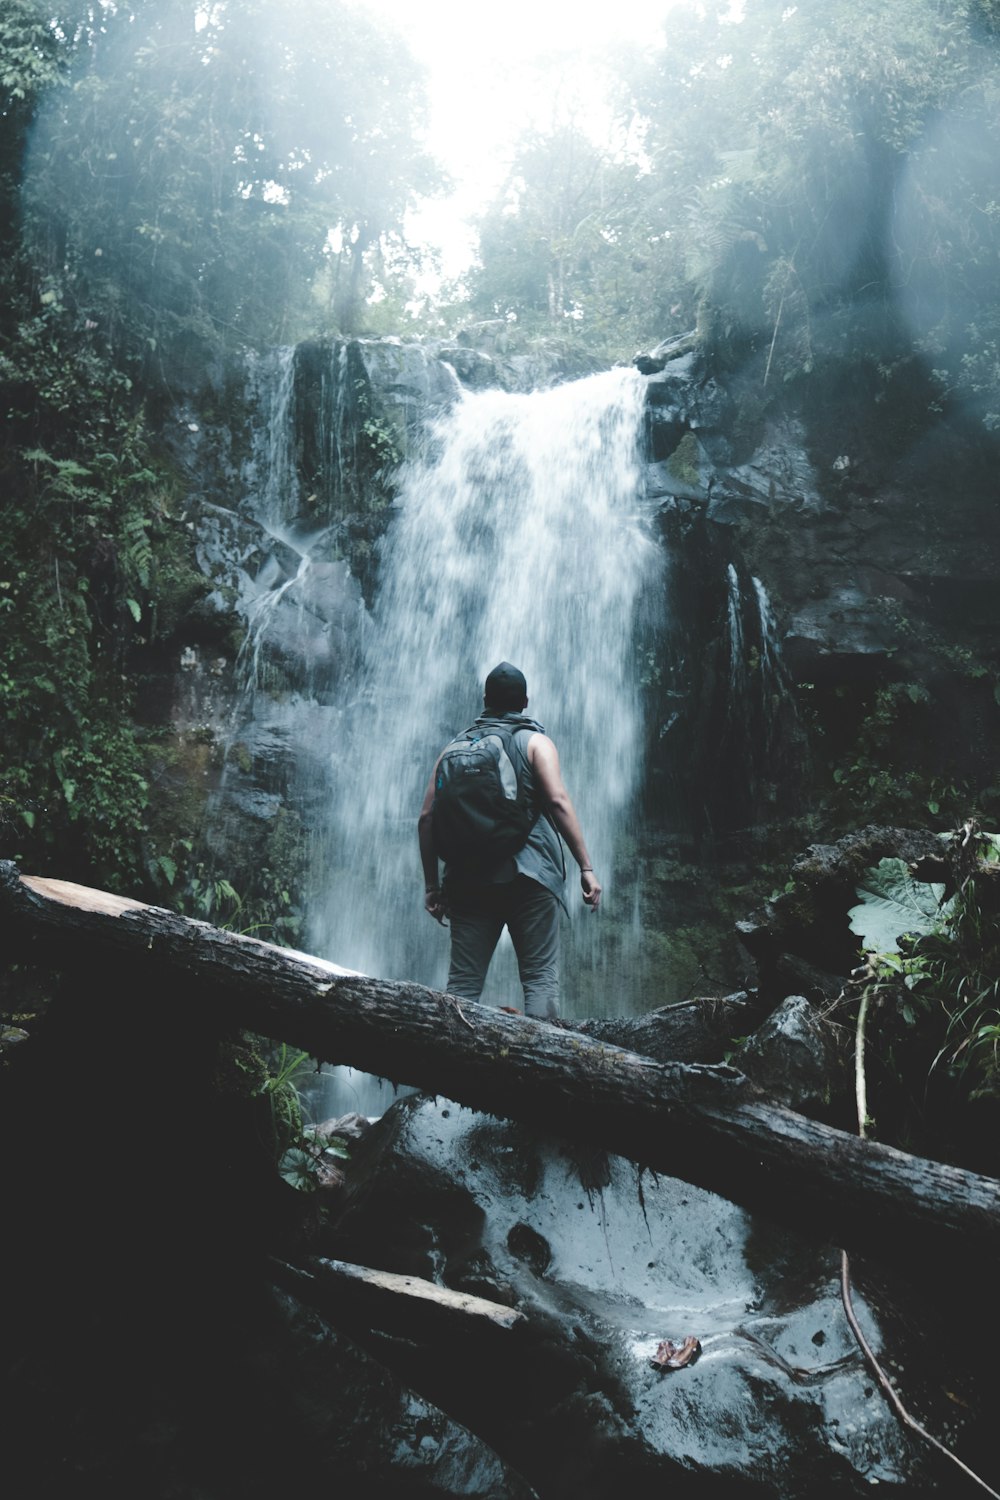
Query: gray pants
531, 915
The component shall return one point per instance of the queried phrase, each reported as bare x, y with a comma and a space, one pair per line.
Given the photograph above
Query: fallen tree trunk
358, 1298
705, 1124
698, 1030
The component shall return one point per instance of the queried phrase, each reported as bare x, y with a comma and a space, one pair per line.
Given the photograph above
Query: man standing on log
493, 810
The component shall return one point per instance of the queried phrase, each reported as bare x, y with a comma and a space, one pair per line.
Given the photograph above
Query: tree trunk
357, 1298
698, 1030
705, 1124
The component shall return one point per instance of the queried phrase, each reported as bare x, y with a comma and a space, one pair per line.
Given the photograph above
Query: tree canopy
800, 178
175, 178
804, 182
813, 122
204, 165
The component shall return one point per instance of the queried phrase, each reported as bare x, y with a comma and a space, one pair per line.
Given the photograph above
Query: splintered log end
83, 897
362, 1301
31, 895
416, 1290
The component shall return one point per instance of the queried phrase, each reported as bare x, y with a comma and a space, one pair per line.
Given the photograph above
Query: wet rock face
302, 446
779, 1401
834, 496
360, 1431
804, 535
865, 515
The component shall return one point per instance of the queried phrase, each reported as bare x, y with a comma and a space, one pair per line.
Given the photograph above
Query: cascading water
737, 655
521, 533
520, 536
756, 667
303, 614
275, 489
757, 733
775, 689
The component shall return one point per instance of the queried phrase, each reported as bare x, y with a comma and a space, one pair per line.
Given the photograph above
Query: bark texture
706, 1124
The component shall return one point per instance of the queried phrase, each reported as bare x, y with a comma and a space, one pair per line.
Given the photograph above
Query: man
523, 892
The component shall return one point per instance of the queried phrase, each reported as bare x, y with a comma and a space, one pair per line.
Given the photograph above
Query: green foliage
28, 52
824, 168
871, 776
213, 898
893, 903
570, 245
29, 68
282, 1095
793, 179
263, 905
83, 505
264, 1080
381, 443
205, 165
300, 1153
943, 979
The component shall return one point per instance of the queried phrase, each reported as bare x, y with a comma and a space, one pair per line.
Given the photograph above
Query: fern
137, 549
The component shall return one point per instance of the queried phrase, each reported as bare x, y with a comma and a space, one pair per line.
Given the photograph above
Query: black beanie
506, 689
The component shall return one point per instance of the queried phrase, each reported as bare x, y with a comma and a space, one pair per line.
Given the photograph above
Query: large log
705, 1124
699, 1030
358, 1298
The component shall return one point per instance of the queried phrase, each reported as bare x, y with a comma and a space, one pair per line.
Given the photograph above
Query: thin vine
871, 1359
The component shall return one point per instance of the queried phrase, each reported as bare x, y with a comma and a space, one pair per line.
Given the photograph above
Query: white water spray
734, 619
772, 666
522, 536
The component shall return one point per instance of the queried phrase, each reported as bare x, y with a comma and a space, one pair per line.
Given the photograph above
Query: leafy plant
281, 1093
892, 903
300, 1153
935, 963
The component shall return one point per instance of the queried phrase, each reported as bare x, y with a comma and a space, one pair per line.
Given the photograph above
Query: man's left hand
436, 904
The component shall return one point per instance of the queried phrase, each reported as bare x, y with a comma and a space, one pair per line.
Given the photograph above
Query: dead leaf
671, 1356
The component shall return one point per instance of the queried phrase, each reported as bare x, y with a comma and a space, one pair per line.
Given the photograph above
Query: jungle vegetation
810, 182
181, 181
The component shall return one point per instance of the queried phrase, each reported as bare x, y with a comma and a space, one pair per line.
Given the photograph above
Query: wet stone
779, 1402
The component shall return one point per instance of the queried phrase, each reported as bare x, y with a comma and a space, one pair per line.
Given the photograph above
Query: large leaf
892, 902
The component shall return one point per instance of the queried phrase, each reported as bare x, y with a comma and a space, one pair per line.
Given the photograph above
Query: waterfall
758, 736
774, 674
737, 656
277, 559
273, 487
522, 535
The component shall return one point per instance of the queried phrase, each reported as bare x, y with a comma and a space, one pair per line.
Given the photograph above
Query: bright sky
491, 70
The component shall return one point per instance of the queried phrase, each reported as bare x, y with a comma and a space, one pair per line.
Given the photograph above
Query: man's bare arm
434, 901
544, 758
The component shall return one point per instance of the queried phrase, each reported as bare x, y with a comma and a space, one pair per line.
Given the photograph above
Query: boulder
607, 1264
795, 1056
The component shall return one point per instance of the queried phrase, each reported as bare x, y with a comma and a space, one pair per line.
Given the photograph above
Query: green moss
180, 768
241, 755
382, 440
685, 461
177, 584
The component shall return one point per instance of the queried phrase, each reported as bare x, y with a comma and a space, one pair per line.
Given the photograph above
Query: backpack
481, 814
